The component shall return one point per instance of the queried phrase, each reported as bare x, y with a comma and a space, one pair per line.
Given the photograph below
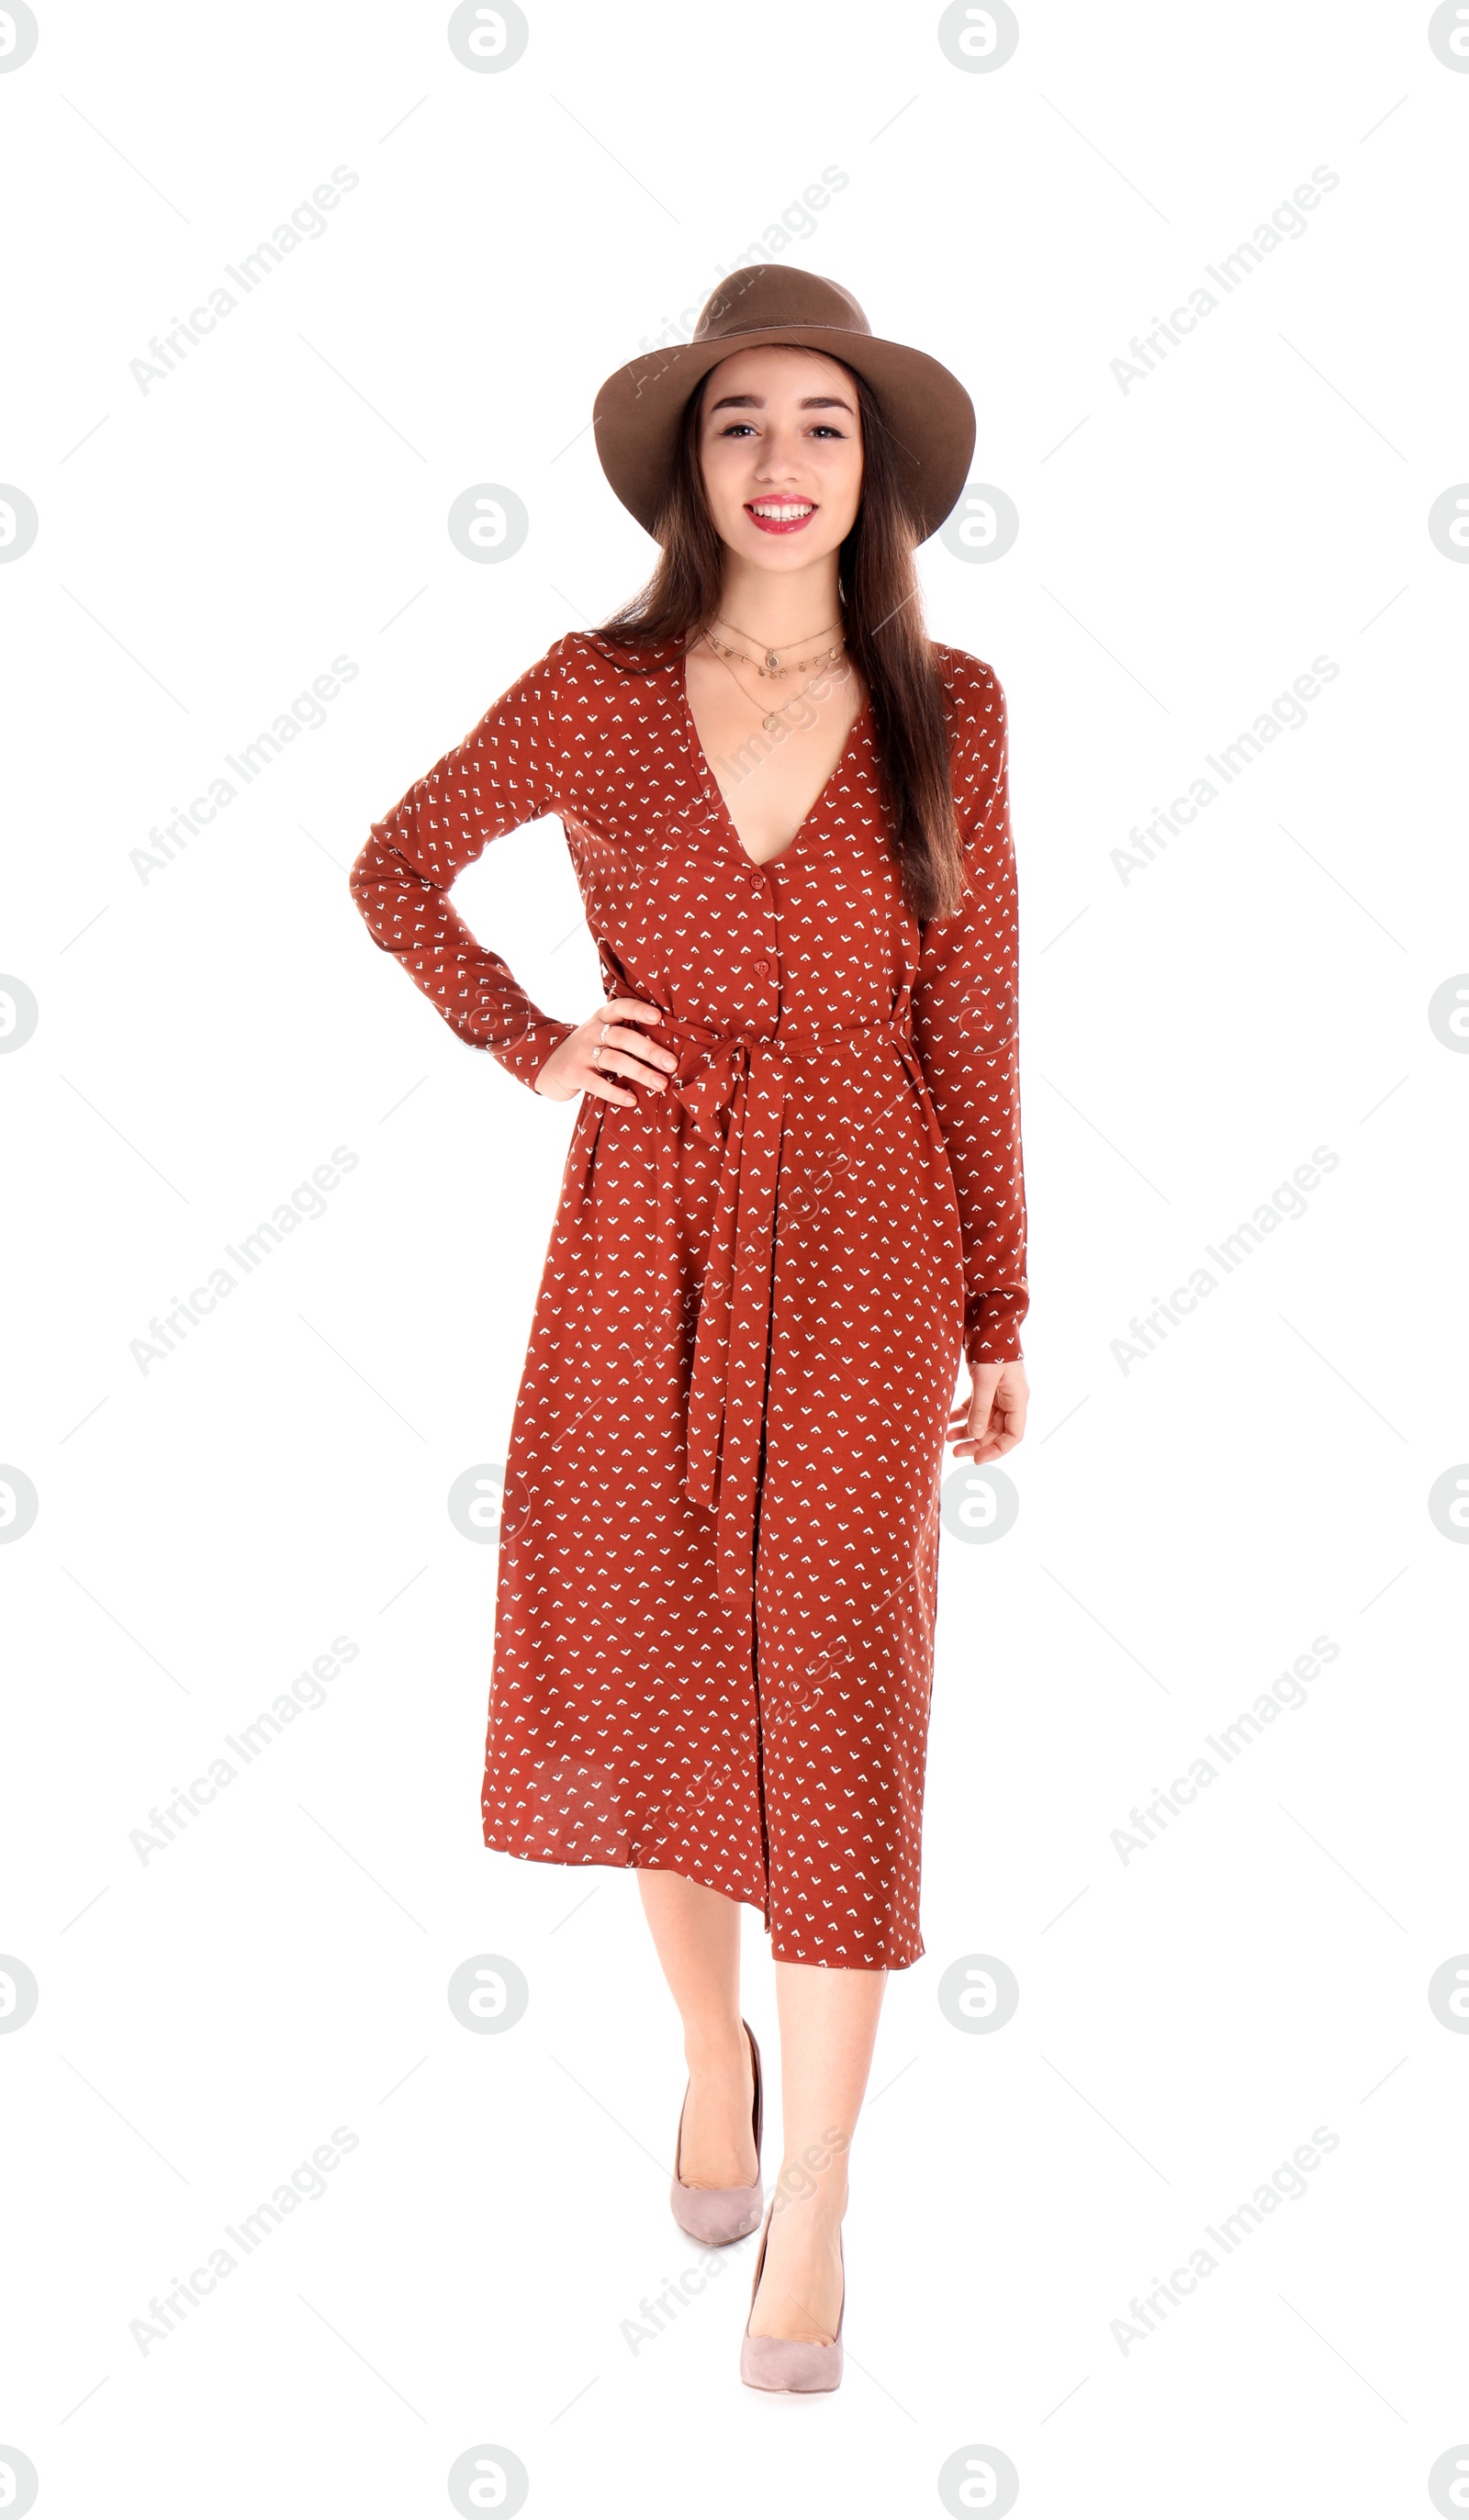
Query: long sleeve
507, 771
965, 1022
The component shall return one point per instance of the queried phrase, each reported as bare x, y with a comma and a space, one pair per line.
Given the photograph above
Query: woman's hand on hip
608, 1045
995, 1418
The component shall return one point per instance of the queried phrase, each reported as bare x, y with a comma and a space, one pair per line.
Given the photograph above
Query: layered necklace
777, 664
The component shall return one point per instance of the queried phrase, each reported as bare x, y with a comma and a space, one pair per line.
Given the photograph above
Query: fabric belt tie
733, 1087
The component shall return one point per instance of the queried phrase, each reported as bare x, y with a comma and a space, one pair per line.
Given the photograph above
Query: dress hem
740, 1898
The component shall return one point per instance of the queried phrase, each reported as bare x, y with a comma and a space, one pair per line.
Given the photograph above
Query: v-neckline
705, 770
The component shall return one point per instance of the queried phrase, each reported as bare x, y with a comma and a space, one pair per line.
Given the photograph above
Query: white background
209, 1035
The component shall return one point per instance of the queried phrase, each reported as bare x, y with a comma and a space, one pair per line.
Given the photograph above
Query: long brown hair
886, 639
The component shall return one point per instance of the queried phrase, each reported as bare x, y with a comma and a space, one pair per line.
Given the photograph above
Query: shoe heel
716, 2216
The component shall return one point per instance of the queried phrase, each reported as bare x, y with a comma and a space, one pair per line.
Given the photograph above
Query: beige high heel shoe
718, 2215
790, 2362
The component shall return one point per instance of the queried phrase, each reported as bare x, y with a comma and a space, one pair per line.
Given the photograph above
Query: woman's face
780, 441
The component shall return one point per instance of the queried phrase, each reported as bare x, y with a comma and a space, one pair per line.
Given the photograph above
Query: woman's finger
622, 1037
635, 1008
620, 1062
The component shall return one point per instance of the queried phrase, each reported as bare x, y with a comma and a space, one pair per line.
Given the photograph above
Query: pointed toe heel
790, 2362
715, 2216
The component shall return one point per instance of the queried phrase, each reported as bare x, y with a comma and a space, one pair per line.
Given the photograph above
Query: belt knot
732, 1087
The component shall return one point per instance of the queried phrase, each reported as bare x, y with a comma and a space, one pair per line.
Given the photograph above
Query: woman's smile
780, 515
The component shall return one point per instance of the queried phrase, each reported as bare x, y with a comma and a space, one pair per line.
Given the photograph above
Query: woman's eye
745, 429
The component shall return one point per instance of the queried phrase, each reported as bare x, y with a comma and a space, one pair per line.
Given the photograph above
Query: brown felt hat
927, 412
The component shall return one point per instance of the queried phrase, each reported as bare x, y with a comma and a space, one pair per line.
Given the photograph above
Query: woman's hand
608, 1045
995, 1418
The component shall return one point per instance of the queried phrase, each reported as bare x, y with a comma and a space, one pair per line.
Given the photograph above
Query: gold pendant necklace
770, 721
795, 642
773, 669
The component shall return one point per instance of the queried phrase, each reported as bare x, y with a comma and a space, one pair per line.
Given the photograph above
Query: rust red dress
714, 1627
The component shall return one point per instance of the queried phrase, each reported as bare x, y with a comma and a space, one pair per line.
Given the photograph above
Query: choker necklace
773, 669
806, 634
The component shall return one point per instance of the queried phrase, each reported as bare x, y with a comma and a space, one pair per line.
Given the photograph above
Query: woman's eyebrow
809, 402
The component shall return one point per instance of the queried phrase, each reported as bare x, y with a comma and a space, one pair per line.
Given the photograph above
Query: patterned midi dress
718, 1561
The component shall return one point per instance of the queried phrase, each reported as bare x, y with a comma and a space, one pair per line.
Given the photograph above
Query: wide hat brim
927, 413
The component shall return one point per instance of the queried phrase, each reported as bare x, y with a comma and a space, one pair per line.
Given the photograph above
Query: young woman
793, 1203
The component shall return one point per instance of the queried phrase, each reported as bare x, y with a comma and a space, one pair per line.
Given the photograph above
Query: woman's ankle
818, 2197
717, 2047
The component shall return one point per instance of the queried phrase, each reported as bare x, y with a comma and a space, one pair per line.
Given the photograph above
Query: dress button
761, 965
